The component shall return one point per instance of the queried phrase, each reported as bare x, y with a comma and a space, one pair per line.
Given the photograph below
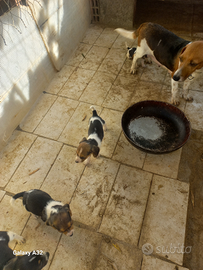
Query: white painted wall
35, 49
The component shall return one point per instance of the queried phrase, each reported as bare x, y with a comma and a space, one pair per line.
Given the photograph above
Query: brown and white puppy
54, 213
9, 261
92, 144
179, 56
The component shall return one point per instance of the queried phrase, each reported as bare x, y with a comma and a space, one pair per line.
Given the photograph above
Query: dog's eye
193, 64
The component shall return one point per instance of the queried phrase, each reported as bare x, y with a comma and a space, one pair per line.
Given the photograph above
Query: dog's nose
176, 78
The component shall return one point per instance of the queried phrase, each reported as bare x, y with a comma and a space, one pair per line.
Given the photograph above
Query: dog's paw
188, 98
21, 240
133, 71
175, 101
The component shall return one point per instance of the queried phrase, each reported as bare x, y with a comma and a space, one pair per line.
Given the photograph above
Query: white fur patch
50, 210
96, 138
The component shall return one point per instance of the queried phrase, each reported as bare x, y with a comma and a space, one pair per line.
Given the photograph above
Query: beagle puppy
92, 144
179, 56
131, 52
8, 261
54, 213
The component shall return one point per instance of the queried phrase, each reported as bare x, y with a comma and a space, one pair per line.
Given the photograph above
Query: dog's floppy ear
183, 50
44, 215
67, 207
50, 220
95, 151
83, 140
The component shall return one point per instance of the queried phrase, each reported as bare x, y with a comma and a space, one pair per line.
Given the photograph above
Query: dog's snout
176, 78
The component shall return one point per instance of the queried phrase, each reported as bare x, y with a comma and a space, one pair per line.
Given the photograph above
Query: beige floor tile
151, 263
76, 84
125, 257
57, 118
111, 135
146, 91
90, 199
35, 166
120, 93
113, 61
92, 34
165, 164
2, 193
125, 70
98, 88
126, 207
128, 154
12, 155
40, 237
13, 218
77, 252
194, 109
197, 83
60, 79
94, 58
63, 176
78, 55
165, 218
36, 114
77, 127
154, 73
107, 38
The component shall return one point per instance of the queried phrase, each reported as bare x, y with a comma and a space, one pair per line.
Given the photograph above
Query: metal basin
155, 127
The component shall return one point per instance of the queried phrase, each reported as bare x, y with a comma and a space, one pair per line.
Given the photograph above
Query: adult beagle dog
9, 261
56, 214
179, 56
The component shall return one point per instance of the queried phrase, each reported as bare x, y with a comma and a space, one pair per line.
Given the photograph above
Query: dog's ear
95, 151
44, 215
83, 140
67, 207
183, 50
50, 220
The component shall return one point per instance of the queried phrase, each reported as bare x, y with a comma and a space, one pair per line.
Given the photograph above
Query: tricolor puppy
181, 57
8, 261
54, 213
131, 52
92, 144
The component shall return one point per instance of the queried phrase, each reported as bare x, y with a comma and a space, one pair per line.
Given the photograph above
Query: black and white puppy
54, 213
8, 261
131, 51
92, 144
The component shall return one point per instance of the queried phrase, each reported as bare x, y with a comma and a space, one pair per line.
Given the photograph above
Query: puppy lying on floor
54, 213
92, 144
179, 56
8, 261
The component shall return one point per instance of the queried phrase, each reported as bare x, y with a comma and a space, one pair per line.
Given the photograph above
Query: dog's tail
126, 33
94, 112
18, 195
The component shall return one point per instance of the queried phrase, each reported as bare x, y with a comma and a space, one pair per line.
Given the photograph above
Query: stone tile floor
126, 204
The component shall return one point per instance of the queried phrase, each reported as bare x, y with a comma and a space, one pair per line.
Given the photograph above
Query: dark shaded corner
191, 170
